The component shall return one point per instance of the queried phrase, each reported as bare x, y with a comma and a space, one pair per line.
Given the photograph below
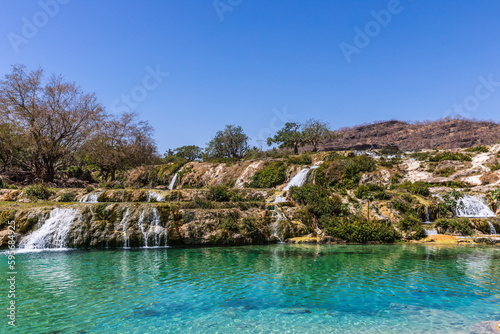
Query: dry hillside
442, 134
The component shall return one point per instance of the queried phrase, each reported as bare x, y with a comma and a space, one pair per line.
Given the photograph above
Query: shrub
495, 166
371, 191
219, 194
308, 193
446, 171
200, 203
67, 197
412, 227
359, 230
443, 156
390, 150
38, 191
460, 226
416, 188
303, 159
5, 217
344, 172
272, 175
420, 156
478, 149
318, 200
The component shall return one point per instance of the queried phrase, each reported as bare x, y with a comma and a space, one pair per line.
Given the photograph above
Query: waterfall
124, 223
174, 180
430, 232
296, 181
150, 220
147, 221
90, 198
473, 207
54, 231
280, 216
492, 228
427, 216
299, 179
153, 196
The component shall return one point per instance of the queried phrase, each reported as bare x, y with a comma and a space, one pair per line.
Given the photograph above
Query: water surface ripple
258, 289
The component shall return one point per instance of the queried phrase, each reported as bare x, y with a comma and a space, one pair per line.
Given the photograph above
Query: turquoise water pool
257, 289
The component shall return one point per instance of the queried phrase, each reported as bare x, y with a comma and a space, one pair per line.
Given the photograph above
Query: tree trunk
50, 170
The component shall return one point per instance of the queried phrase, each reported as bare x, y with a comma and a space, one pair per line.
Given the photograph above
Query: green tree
315, 133
189, 152
231, 142
288, 137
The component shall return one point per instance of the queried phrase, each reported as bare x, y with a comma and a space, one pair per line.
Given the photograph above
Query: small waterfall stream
492, 229
173, 182
54, 231
151, 229
297, 181
153, 196
90, 197
473, 207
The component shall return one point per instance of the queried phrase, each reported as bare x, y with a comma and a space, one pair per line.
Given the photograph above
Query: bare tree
315, 133
56, 115
120, 143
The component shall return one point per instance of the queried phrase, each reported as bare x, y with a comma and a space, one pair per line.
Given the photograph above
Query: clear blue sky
246, 61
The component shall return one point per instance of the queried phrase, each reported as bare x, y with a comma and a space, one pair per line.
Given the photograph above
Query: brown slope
442, 134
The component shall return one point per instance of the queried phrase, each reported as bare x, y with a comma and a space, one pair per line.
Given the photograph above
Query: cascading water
149, 224
173, 182
296, 181
90, 198
492, 228
299, 179
54, 231
125, 223
430, 232
153, 196
473, 207
279, 217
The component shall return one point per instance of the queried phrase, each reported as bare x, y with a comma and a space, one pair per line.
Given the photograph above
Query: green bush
443, 156
495, 166
308, 193
446, 171
67, 197
303, 159
478, 149
389, 151
420, 156
371, 191
345, 172
416, 188
219, 194
359, 230
460, 226
38, 191
318, 200
5, 217
412, 227
272, 175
